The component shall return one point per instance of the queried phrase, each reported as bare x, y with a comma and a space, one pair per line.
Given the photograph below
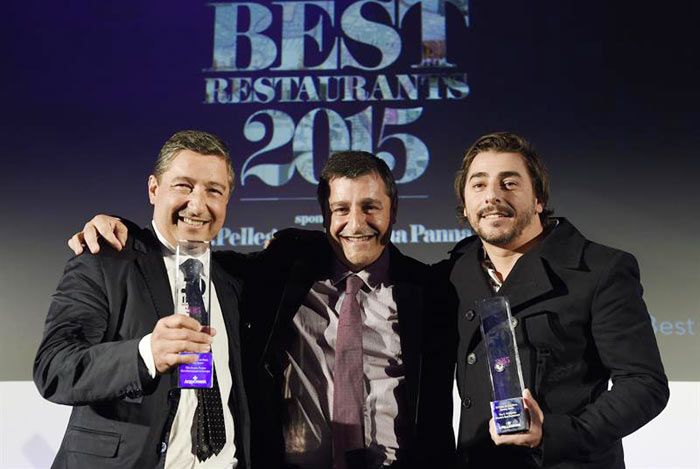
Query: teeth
494, 215
195, 223
357, 238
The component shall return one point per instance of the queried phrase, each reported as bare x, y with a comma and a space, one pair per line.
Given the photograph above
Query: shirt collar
169, 250
373, 276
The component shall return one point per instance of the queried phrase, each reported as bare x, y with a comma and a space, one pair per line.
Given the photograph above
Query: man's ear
152, 189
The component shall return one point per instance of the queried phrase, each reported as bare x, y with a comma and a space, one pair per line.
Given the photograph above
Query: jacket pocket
94, 442
543, 339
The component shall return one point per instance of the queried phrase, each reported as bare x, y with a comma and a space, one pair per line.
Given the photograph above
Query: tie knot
353, 283
192, 268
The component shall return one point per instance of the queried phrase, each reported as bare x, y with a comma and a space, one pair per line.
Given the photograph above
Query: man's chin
194, 234
359, 260
497, 237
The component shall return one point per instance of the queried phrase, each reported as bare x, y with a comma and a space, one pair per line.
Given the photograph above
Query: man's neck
504, 258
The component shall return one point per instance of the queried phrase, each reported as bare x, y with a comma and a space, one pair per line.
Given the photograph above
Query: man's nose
494, 192
196, 201
357, 218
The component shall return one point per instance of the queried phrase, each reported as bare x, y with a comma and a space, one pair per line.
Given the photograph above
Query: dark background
607, 91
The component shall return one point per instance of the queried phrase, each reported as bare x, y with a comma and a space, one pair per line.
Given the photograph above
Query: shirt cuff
147, 355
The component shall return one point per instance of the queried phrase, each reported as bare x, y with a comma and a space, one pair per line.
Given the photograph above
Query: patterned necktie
348, 374
208, 430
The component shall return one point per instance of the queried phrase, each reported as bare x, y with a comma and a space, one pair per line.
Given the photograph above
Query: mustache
502, 209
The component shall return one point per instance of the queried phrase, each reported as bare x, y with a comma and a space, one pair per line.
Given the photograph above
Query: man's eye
510, 184
216, 191
478, 185
182, 187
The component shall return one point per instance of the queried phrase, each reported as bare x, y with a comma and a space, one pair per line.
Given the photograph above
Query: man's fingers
165, 347
121, 232
182, 334
532, 406
90, 238
168, 361
177, 321
492, 431
175, 334
76, 243
106, 226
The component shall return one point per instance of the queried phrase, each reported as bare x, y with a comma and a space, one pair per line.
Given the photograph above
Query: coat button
470, 315
163, 446
248, 325
514, 322
467, 402
471, 358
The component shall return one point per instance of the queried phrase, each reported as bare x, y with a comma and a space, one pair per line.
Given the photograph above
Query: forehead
492, 163
367, 186
192, 165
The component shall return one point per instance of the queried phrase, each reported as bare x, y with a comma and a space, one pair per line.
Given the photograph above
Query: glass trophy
192, 287
507, 407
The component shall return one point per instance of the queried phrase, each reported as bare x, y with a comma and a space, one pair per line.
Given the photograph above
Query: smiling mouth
496, 216
357, 239
192, 222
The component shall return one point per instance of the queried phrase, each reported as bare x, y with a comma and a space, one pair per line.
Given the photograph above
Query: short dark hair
353, 164
506, 142
197, 141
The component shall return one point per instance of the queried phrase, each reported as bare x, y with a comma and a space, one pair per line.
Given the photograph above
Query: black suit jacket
277, 280
580, 321
89, 358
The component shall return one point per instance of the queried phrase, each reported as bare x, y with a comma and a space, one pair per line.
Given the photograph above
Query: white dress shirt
179, 451
311, 357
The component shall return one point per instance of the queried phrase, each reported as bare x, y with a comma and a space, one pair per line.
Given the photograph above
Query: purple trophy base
510, 415
198, 374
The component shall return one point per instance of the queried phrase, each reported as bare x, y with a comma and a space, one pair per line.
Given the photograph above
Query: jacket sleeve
623, 336
77, 362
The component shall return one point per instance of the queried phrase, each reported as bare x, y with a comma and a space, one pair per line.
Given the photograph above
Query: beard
502, 236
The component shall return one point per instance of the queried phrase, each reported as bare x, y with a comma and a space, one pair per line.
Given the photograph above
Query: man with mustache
332, 385
579, 320
112, 344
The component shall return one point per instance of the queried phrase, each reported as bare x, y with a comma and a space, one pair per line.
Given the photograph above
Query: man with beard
334, 335
579, 320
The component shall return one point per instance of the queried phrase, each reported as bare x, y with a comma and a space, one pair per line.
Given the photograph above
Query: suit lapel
409, 307
152, 267
153, 270
527, 282
530, 279
225, 294
468, 277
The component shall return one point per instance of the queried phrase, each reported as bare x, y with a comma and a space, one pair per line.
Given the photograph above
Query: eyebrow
192, 181
216, 184
366, 200
502, 174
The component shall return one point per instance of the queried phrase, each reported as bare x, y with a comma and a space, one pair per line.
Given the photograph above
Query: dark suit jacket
89, 357
580, 321
277, 280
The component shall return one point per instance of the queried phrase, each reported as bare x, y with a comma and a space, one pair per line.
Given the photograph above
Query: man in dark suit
292, 310
316, 401
111, 340
579, 320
